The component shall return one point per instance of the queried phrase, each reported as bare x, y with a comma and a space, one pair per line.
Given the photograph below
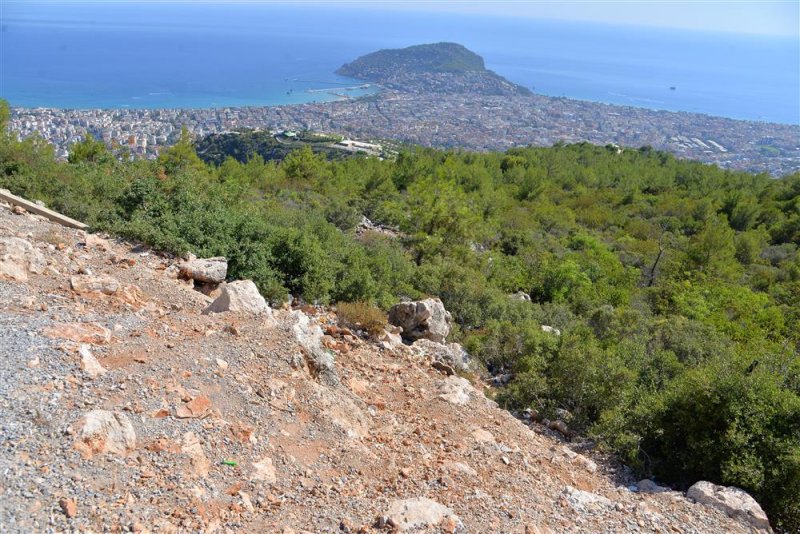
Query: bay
183, 55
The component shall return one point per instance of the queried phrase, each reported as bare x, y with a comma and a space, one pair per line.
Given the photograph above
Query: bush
358, 315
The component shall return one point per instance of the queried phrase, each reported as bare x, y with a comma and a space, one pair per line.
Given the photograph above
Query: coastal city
472, 121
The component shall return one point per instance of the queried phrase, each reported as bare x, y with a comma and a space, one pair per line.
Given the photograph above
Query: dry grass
361, 315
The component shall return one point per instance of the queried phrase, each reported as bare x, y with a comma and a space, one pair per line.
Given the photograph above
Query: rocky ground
124, 408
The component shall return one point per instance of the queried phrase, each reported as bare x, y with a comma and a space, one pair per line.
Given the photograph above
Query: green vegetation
241, 146
438, 57
307, 136
676, 285
361, 315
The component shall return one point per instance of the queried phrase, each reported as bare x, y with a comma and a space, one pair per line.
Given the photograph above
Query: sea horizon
158, 57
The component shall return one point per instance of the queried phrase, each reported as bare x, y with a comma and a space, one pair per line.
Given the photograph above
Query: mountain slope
212, 422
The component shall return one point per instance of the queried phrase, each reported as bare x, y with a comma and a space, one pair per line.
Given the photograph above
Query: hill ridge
443, 67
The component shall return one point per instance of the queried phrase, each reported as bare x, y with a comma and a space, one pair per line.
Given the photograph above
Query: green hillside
676, 285
439, 57
431, 68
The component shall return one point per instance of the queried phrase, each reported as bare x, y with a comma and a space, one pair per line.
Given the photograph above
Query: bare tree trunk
661, 248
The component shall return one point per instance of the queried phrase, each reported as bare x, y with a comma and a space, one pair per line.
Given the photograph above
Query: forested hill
675, 285
439, 67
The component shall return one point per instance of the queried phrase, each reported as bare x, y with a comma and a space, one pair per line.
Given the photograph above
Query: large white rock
94, 284
648, 486
455, 390
89, 363
390, 338
423, 319
419, 513
309, 335
101, 431
206, 270
585, 501
451, 354
551, 330
106, 285
18, 257
264, 470
735, 502
241, 296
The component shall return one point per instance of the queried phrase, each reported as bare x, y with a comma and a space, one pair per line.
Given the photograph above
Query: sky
765, 17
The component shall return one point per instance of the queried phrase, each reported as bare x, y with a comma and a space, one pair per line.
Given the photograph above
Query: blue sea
183, 55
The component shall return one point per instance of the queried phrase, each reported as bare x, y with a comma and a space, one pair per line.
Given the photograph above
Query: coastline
378, 91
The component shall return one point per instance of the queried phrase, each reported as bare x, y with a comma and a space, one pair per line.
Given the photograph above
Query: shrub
361, 314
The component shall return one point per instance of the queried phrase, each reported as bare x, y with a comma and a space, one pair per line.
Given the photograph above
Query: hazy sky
771, 17
775, 17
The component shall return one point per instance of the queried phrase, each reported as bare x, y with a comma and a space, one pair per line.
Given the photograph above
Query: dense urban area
470, 121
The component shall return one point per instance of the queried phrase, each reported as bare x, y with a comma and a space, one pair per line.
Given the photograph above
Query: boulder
455, 390
101, 431
452, 355
106, 285
584, 501
551, 330
89, 363
648, 486
309, 336
92, 333
735, 502
420, 513
264, 470
18, 258
391, 337
241, 296
192, 448
94, 284
424, 319
521, 295
206, 270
